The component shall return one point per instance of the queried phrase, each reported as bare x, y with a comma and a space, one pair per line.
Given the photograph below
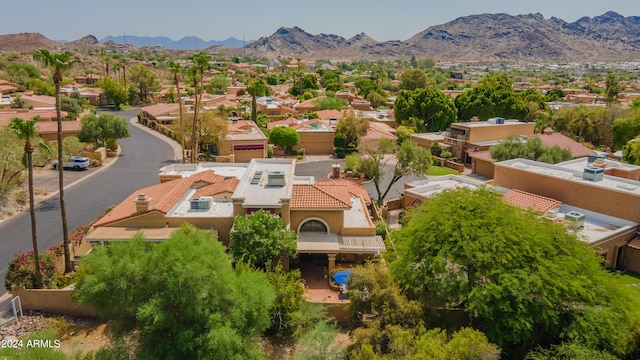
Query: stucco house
331, 218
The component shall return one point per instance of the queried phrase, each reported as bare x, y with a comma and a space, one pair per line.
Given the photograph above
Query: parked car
74, 162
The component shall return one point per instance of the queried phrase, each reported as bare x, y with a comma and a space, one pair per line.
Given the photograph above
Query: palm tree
28, 131
196, 71
59, 63
176, 69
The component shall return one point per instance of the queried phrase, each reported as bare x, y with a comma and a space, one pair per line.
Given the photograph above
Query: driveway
136, 167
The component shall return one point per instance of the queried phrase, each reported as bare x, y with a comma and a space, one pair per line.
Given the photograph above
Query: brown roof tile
525, 200
353, 187
563, 141
635, 243
165, 195
320, 197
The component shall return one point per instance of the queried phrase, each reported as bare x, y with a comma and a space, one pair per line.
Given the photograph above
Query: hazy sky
218, 20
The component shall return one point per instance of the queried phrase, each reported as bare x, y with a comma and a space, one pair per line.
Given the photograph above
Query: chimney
142, 203
474, 119
599, 163
547, 131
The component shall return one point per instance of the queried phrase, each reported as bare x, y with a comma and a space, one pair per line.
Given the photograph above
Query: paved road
141, 157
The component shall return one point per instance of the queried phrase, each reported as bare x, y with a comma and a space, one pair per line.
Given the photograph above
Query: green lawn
438, 171
632, 281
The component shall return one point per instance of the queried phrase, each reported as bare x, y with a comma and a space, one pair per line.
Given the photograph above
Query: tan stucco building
331, 218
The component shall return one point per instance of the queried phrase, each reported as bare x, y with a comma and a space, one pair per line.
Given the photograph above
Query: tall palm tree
176, 69
28, 131
59, 63
200, 64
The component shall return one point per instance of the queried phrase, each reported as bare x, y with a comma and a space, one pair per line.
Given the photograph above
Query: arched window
314, 226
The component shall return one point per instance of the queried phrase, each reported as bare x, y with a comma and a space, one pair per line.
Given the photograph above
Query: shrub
340, 140
153, 124
112, 144
78, 234
21, 270
269, 151
21, 197
300, 152
446, 154
382, 228
300, 157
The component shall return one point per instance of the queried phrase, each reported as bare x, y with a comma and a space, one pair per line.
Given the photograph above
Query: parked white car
74, 162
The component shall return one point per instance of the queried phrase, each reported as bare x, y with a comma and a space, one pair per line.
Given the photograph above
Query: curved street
137, 166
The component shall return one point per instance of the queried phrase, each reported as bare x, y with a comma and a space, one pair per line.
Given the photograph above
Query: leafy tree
376, 99
365, 86
320, 344
71, 145
72, 106
10, 161
192, 293
288, 308
40, 87
524, 281
419, 343
625, 129
284, 136
114, 91
494, 96
569, 351
213, 127
413, 79
59, 63
28, 132
260, 239
329, 102
103, 128
301, 85
635, 104
218, 84
404, 133
534, 101
554, 94
352, 128
145, 80
410, 160
533, 149
631, 151
435, 110
612, 88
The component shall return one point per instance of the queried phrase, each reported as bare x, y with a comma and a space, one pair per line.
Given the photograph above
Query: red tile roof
330, 114
44, 99
320, 197
353, 187
47, 127
165, 195
635, 243
525, 200
160, 109
577, 149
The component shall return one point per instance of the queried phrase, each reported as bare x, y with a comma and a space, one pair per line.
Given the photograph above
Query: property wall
580, 194
221, 224
56, 301
483, 168
358, 231
226, 149
631, 259
623, 173
424, 143
609, 249
316, 142
335, 219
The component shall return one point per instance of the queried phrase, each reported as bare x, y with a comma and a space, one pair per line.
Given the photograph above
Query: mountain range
186, 43
483, 37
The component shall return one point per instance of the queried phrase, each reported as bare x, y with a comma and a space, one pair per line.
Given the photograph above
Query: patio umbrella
341, 277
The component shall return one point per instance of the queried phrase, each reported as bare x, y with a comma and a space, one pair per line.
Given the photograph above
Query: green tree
352, 127
554, 94
114, 91
260, 239
72, 106
213, 127
59, 63
192, 293
71, 145
27, 131
494, 96
410, 159
329, 103
435, 110
612, 88
176, 71
100, 129
10, 161
284, 136
413, 79
631, 151
145, 80
289, 315
365, 86
546, 286
569, 351
320, 344
533, 149
257, 87
625, 129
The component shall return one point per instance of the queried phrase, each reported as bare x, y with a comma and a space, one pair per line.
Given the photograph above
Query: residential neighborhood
252, 204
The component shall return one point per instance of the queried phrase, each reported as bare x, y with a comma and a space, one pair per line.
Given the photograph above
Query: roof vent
593, 174
576, 218
200, 204
275, 178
